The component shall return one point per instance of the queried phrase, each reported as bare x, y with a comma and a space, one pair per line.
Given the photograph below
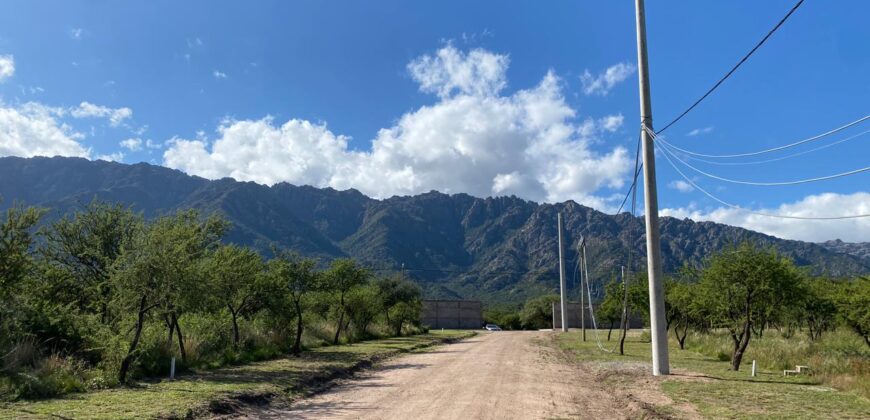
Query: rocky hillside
501, 248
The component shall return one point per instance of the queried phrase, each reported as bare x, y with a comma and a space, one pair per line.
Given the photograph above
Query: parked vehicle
492, 327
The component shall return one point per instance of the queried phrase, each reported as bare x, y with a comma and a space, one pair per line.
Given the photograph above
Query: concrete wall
453, 314
574, 317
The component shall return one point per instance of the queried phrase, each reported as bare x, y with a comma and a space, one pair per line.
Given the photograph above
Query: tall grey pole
562, 291
658, 332
586, 279
581, 255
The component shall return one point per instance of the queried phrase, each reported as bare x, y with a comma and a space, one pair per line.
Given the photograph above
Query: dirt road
502, 375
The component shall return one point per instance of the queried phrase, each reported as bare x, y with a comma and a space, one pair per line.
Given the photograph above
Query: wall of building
453, 314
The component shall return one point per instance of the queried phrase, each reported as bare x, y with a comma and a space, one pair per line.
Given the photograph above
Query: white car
492, 327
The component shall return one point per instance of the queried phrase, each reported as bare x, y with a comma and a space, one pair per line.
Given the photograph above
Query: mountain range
496, 249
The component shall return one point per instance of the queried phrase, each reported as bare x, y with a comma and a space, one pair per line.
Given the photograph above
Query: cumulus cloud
115, 115
473, 139
33, 130
611, 123
131, 144
699, 131
450, 71
681, 186
7, 67
606, 80
76, 33
219, 74
112, 157
820, 205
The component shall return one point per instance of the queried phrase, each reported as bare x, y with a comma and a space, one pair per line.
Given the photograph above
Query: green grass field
190, 394
706, 383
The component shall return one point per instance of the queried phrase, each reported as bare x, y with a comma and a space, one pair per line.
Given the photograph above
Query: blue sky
487, 98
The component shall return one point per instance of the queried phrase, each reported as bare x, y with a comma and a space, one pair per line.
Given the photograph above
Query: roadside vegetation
102, 297
229, 390
749, 304
705, 381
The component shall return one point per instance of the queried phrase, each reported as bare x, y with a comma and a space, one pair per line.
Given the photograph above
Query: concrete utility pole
582, 256
660, 363
562, 291
586, 279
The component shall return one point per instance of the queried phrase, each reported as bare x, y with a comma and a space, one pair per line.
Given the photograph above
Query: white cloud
151, 144
33, 130
112, 157
76, 33
473, 139
7, 66
611, 123
606, 80
820, 205
478, 72
681, 186
88, 110
132, 144
219, 74
699, 131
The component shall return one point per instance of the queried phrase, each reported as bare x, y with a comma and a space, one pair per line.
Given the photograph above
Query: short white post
753, 368
172, 369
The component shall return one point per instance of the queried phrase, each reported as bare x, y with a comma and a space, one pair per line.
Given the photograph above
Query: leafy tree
233, 271
297, 276
159, 268
819, 306
363, 305
342, 277
16, 238
537, 312
83, 246
394, 292
16, 260
743, 285
854, 306
610, 309
680, 306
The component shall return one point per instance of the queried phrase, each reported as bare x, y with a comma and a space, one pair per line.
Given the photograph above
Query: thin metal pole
582, 299
562, 291
660, 363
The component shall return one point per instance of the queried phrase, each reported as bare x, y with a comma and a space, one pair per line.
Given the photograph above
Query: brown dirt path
502, 375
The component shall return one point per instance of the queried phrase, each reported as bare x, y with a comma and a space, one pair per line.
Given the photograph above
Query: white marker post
753, 368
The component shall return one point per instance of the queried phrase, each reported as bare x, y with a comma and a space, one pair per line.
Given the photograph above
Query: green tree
537, 312
853, 303
298, 278
234, 271
159, 268
743, 285
401, 301
16, 260
819, 306
342, 277
610, 309
82, 246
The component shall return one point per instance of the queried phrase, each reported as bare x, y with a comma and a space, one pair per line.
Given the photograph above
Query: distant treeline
102, 296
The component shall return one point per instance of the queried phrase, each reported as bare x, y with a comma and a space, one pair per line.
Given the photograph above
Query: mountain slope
501, 248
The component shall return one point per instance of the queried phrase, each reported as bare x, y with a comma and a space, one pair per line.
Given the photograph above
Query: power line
666, 154
733, 69
774, 149
766, 184
758, 162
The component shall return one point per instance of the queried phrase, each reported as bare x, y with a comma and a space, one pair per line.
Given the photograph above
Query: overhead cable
774, 149
733, 69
